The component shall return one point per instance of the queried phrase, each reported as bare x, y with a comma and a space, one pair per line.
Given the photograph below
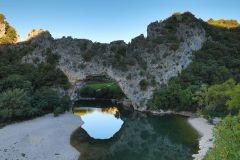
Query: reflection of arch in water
102, 106
82, 112
140, 137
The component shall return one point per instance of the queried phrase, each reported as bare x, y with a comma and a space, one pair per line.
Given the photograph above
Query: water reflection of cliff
82, 112
110, 110
141, 137
87, 110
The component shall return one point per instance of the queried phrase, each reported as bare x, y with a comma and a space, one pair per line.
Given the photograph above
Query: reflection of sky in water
99, 125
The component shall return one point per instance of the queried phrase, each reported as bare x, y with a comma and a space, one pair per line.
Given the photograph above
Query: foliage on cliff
26, 90
211, 86
2, 18
227, 140
216, 62
10, 35
224, 23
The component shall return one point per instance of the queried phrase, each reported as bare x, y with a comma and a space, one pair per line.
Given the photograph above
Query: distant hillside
224, 23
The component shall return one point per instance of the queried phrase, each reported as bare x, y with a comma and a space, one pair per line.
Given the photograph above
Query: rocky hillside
138, 67
7, 33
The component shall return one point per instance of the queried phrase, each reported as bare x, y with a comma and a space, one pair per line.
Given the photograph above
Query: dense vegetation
211, 86
224, 23
10, 33
26, 90
102, 88
215, 63
227, 140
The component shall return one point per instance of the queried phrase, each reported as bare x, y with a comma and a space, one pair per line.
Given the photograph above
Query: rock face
34, 33
6, 33
138, 67
2, 30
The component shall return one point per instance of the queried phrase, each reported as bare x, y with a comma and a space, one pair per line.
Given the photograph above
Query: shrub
143, 84
227, 140
58, 111
2, 18
87, 56
174, 46
52, 58
14, 104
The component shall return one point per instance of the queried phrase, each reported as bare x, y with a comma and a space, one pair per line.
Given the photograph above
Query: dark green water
141, 136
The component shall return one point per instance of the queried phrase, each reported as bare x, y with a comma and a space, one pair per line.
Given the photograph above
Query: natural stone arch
77, 80
81, 82
81, 58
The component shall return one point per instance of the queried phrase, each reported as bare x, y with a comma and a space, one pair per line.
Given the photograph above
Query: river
111, 131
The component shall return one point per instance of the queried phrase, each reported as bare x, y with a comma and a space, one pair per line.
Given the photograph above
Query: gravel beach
206, 140
43, 138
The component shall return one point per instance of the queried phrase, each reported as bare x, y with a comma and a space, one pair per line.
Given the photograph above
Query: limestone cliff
34, 33
2, 30
153, 60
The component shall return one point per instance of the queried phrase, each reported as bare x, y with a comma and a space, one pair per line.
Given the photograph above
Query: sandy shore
44, 138
206, 141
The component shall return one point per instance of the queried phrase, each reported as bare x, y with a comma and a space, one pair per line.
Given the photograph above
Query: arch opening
101, 87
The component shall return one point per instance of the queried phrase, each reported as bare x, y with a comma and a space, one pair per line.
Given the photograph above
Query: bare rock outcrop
34, 34
2, 30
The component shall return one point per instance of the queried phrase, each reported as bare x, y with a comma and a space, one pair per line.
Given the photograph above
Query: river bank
48, 137
42, 138
206, 140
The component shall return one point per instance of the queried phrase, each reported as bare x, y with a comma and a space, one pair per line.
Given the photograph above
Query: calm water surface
112, 133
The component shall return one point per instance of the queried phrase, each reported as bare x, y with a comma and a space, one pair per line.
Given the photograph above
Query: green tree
170, 97
174, 90
14, 103
160, 99
58, 111
186, 101
46, 99
66, 102
201, 96
15, 81
234, 101
227, 140
11, 34
219, 94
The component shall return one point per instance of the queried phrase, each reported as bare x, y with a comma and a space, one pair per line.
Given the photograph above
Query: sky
106, 20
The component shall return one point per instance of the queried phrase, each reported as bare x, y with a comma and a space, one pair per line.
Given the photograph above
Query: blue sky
106, 20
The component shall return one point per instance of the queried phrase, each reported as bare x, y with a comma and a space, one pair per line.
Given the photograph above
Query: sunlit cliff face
110, 110
83, 112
